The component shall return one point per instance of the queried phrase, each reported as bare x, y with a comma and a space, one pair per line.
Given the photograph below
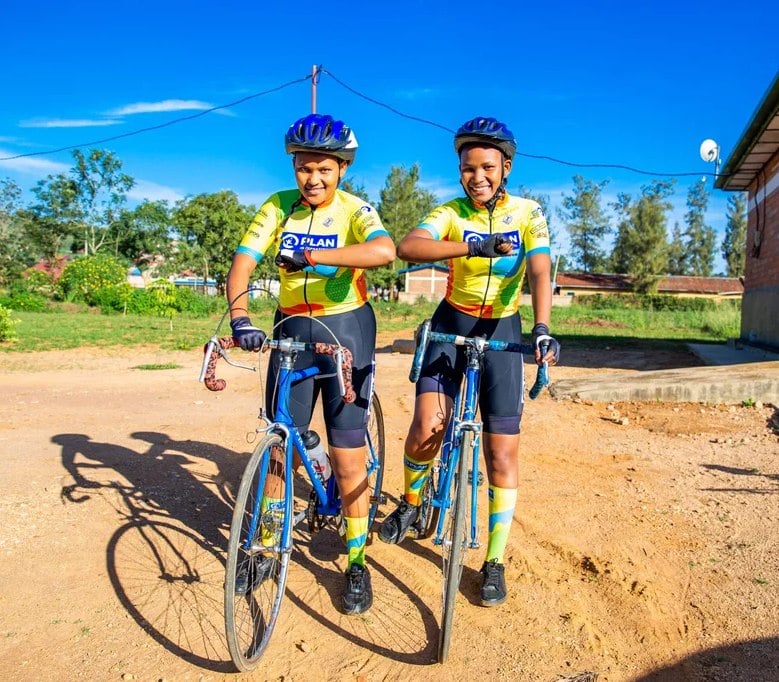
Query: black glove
544, 343
293, 261
248, 336
488, 248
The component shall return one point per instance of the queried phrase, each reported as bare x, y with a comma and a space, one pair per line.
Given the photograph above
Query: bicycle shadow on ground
166, 559
753, 659
377, 631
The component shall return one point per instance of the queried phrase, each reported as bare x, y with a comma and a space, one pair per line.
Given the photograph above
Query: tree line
641, 246
84, 212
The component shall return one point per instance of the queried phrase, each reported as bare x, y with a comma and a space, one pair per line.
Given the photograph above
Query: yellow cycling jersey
285, 221
489, 287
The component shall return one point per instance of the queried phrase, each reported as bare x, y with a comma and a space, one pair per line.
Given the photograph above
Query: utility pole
315, 70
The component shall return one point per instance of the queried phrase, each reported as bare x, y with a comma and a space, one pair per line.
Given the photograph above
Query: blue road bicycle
454, 478
261, 540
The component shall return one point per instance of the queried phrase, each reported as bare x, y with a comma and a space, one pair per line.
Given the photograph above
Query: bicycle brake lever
210, 346
339, 359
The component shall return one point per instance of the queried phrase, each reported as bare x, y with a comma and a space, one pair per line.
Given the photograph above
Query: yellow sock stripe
269, 534
356, 537
502, 503
414, 477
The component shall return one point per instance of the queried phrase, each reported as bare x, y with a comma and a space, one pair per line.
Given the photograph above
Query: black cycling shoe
358, 595
493, 589
252, 572
396, 526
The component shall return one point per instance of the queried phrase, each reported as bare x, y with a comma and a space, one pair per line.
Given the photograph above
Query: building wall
760, 304
428, 283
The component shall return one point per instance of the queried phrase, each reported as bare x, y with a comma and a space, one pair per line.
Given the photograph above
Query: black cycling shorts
346, 423
502, 393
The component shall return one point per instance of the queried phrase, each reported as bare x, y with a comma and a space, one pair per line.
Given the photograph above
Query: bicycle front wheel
256, 570
374, 457
454, 545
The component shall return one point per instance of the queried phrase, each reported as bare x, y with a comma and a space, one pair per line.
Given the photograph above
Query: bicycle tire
374, 457
454, 545
427, 519
251, 617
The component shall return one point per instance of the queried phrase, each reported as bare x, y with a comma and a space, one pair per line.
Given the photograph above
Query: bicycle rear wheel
454, 545
256, 561
427, 520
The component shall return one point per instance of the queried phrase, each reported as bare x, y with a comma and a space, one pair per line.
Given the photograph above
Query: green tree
700, 238
734, 244
16, 252
358, 190
641, 247
142, 232
403, 203
211, 225
677, 253
53, 220
586, 223
101, 191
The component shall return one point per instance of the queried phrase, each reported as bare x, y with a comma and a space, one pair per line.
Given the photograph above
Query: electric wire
162, 125
319, 70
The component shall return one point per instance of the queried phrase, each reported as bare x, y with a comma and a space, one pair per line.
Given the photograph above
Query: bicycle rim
251, 617
454, 546
374, 457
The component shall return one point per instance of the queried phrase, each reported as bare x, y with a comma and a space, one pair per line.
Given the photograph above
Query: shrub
652, 302
83, 278
23, 300
7, 324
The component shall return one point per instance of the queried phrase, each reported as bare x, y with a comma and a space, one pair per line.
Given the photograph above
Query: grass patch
574, 326
158, 365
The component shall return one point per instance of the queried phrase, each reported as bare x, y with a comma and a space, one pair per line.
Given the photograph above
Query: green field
575, 326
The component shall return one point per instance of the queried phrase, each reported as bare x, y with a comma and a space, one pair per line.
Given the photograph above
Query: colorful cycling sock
502, 503
271, 526
414, 477
356, 537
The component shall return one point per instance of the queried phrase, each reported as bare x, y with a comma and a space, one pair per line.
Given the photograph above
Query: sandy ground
645, 544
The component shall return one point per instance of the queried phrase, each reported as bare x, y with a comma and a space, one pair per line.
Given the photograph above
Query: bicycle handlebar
341, 355
424, 336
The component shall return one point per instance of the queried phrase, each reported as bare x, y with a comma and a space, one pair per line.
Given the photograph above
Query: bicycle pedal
378, 499
479, 478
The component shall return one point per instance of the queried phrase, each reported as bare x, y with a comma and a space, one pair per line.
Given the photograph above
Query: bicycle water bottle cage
422, 336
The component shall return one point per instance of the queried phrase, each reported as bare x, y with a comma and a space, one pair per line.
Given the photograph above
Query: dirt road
645, 542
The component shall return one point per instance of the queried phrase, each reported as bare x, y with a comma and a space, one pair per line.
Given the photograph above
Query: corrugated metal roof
672, 284
758, 143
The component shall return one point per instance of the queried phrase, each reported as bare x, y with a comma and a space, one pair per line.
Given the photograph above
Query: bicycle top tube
480, 343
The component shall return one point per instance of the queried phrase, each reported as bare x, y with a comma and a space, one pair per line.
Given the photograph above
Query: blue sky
632, 84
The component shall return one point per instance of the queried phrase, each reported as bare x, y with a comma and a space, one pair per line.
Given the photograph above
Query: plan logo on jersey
296, 242
512, 236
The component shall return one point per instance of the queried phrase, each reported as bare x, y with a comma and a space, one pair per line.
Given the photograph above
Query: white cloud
31, 165
151, 191
164, 105
69, 122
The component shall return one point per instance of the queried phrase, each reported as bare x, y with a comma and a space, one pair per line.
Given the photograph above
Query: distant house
427, 280
583, 284
753, 167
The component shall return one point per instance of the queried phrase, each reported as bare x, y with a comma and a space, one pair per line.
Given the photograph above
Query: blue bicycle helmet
486, 130
321, 133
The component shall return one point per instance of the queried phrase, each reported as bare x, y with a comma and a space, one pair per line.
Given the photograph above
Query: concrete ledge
730, 384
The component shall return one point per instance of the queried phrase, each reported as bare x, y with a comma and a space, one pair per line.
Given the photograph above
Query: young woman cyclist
322, 239
490, 239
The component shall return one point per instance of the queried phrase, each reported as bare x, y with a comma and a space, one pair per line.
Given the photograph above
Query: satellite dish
709, 151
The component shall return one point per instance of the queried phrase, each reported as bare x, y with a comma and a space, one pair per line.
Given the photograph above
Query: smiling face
317, 176
482, 169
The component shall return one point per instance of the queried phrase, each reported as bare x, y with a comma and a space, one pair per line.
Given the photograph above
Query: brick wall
760, 305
